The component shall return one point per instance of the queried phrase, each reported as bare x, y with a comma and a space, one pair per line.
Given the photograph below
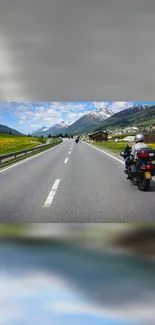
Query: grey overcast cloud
77, 50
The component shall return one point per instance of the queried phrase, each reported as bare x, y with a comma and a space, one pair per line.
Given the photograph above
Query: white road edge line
69, 152
108, 154
66, 160
52, 193
33, 157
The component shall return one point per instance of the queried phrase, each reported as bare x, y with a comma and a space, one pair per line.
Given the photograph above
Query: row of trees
60, 135
56, 136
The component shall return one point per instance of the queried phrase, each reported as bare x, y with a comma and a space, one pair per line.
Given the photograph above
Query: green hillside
6, 129
129, 117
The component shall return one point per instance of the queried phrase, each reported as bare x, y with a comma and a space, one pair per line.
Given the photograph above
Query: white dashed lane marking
52, 193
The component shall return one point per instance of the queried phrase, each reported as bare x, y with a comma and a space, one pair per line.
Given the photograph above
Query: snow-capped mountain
89, 121
40, 131
55, 129
60, 124
101, 114
85, 123
135, 115
70, 123
44, 128
140, 107
63, 124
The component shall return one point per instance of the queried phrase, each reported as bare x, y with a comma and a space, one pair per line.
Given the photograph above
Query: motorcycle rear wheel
144, 184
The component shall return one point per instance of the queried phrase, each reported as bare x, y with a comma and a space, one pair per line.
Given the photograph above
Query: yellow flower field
12, 143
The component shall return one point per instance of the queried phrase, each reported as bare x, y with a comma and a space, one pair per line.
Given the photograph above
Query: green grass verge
112, 145
56, 140
116, 146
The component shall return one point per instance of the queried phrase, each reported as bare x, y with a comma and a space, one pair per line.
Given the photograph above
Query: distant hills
6, 129
137, 115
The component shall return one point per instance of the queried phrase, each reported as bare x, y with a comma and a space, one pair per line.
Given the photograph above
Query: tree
42, 137
28, 135
10, 133
49, 136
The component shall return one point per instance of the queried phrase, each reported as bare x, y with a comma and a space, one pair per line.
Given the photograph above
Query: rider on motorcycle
139, 144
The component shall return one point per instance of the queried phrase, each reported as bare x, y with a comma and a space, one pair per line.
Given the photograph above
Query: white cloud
99, 105
117, 106
39, 115
36, 126
75, 115
68, 106
47, 114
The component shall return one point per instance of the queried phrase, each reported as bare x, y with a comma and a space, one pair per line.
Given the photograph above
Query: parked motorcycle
141, 171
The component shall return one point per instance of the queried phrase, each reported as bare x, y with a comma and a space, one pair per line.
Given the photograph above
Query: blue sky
29, 116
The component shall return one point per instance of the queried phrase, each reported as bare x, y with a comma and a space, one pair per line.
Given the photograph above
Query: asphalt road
64, 50
72, 183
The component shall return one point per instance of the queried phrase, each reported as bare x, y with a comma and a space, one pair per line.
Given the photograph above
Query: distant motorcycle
141, 171
76, 140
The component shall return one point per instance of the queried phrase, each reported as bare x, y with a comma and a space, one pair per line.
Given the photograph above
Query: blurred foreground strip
77, 274
134, 238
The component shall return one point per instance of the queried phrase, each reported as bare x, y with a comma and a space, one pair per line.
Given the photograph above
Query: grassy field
117, 146
12, 143
57, 140
49, 145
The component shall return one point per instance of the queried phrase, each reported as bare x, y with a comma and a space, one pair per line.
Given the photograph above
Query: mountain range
84, 124
104, 119
56, 129
138, 115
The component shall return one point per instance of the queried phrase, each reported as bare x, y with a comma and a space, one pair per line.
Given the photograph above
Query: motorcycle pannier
146, 154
